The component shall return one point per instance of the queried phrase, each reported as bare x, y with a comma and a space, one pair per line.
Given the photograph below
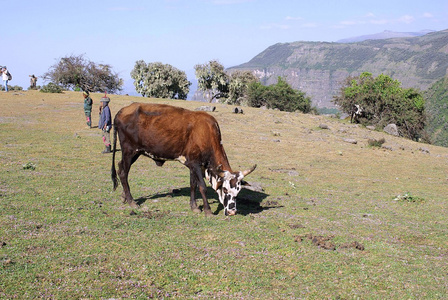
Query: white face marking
227, 187
210, 178
228, 191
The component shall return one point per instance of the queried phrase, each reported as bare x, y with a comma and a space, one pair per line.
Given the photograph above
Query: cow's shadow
248, 201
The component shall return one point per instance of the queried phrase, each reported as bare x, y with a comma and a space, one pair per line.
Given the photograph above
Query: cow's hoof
208, 213
196, 210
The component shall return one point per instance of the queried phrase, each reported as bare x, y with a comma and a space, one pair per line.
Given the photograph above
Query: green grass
65, 234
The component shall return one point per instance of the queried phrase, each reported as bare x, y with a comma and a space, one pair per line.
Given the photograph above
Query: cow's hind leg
124, 166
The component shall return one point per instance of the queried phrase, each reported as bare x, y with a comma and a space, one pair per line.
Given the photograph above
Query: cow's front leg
193, 186
203, 190
196, 176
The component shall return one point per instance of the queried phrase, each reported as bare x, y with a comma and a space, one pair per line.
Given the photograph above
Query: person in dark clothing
88, 108
105, 123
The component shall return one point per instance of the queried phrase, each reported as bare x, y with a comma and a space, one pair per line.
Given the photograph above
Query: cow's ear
221, 173
245, 183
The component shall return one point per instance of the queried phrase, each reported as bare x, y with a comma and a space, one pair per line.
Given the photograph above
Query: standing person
105, 123
88, 102
5, 77
33, 82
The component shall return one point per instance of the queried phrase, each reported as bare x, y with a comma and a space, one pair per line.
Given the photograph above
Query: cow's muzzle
230, 212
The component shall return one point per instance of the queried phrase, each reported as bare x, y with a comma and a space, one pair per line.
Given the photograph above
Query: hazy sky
183, 33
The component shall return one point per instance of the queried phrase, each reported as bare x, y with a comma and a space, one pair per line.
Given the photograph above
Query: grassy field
335, 220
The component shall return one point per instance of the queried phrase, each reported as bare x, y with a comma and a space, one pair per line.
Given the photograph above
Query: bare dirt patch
325, 242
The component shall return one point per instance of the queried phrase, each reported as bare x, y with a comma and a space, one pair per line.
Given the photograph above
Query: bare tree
78, 72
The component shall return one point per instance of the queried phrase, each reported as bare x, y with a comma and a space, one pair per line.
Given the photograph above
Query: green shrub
29, 166
11, 88
278, 96
51, 88
376, 143
384, 101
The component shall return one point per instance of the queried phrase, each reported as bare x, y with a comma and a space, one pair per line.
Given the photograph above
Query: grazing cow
356, 112
164, 132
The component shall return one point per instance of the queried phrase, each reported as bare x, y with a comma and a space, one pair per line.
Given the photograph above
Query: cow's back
167, 131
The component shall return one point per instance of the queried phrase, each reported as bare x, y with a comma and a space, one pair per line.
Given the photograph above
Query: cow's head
227, 185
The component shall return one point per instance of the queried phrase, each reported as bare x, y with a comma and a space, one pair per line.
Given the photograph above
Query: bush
11, 88
256, 94
51, 88
279, 96
383, 102
407, 197
376, 143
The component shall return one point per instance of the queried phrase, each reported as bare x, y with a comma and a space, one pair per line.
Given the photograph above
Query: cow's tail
113, 172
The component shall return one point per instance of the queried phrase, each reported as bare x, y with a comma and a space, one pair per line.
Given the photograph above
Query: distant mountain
384, 35
319, 68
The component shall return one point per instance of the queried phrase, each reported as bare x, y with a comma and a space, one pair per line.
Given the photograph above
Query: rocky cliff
319, 68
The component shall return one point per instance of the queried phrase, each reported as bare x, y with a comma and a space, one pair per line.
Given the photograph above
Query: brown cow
164, 132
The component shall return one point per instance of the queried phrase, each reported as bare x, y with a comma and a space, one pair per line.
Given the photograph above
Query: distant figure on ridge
33, 82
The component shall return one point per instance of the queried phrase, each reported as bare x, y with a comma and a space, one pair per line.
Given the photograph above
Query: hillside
437, 109
335, 218
318, 68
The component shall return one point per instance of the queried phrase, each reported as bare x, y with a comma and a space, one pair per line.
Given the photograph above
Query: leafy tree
160, 80
384, 101
74, 72
242, 87
212, 79
281, 96
239, 82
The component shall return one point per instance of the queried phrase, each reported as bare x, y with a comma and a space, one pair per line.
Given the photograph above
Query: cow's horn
247, 172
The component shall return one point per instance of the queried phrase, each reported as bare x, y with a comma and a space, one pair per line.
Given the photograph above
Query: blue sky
183, 33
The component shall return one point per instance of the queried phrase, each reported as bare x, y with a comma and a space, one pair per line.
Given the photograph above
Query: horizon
185, 33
